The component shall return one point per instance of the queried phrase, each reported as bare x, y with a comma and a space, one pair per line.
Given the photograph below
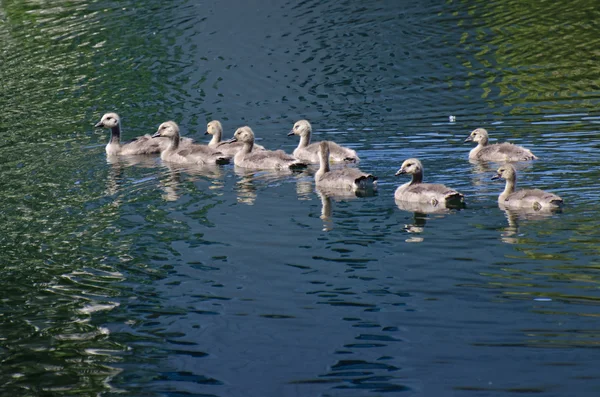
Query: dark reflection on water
129, 276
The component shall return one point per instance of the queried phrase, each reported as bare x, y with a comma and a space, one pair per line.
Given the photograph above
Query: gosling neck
247, 148
115, 134
323, 162
216, 139
509, 188
174, 145
483, 141
304, 140
417, 177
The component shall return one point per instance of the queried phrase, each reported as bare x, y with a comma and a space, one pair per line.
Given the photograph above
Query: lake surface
134, 277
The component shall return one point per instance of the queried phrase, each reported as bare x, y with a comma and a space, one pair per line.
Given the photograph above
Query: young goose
310, 152
247, 157
535, 199
215, 129
351, 179
417, 191
498, 152
192, 154
140, 145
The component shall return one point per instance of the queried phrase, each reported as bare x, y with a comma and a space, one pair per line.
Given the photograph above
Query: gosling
140, 145
534, 199
418, 192
497, 152
193, 154
351, 179
249, 158
310, 151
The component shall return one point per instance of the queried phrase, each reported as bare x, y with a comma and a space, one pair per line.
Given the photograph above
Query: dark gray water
134, 277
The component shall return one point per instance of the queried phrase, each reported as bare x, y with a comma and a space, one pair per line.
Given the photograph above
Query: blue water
135, 277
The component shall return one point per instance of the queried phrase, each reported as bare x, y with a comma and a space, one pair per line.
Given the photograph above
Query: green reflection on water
71, 249
531, 58
82, 245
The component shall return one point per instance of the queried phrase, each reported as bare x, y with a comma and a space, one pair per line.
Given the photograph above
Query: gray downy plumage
249, 158
417, 191
215, 129
347, 178
310, 151
191, 154
497, 152
532, 199
141, 145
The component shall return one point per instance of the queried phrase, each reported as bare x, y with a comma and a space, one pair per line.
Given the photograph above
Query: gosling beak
228, 141
495, 177
206, 133
156, 134
469, 139
291, 133
400, 172
99, 124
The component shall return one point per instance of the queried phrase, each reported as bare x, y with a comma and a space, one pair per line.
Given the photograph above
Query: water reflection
421, 212
482, 171
327, 196
245, 188
249, 181
171, 183
489, 166
325, 211
173, 177
304, 188
114, 180
516, 216
179, 298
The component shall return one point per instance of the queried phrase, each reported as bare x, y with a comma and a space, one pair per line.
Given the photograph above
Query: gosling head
167, 129
301, 127
214, 127
109, 120
506, 172
411, 167
478, 135
242, 134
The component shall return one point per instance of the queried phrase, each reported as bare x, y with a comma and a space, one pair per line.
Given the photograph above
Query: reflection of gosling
351, 179
140, 145
249, 158
310, 151
498, 152
419, 192
215, 129
192, 154
534, 199
325, 211
246, 191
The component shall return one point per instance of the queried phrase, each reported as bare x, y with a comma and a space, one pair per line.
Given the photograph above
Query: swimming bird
417, 191
215, 129
534, 199
498, 152
350, 179
140, 145
192, 154
310, 151
247, 157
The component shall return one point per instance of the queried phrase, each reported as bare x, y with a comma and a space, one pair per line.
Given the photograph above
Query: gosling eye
296, 127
